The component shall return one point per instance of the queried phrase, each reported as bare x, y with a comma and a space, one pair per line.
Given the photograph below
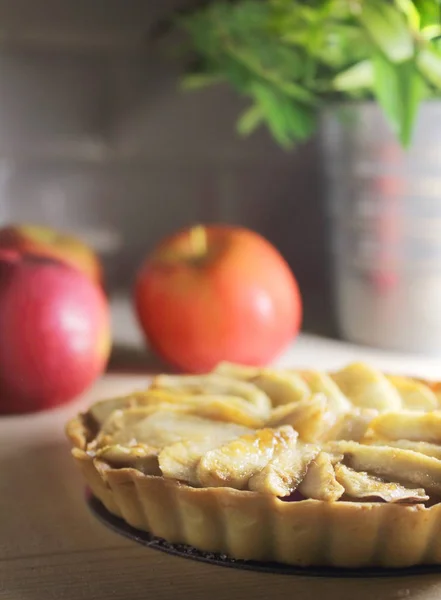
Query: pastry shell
253, 526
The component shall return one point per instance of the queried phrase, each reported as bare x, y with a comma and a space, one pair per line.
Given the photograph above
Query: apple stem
198, 240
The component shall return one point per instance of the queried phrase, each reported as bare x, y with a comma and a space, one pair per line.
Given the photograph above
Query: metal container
384, 208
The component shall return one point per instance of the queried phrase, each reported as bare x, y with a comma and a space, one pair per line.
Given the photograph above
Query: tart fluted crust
252, 526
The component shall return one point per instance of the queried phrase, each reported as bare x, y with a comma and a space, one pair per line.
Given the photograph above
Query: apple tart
295, 466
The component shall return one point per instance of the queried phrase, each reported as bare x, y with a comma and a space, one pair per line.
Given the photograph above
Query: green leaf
274, 115
410, 10
387, 27
248, 60
429, 63
430, 32
356, 77
287, 120
196, 81
292, 56
399, 90
250, 120
302, 121
429, 11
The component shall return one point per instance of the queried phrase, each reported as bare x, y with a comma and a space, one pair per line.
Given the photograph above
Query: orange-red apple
217, 293
55, 332
45, 241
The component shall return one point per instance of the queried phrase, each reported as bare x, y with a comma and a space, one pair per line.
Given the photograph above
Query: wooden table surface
52, 547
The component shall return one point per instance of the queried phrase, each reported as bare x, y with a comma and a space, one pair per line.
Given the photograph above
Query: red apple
45, 241
217, 293
55, 339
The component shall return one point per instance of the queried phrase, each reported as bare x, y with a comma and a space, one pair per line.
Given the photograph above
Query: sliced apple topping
130, 426
285, 470
415, 395
422, 447
319, 382
353, 434
362, 485
101, 410
407, 425
159, 427
235, 371
367, 387
353, 424
223, 408
142, 457
311, 418
215, 385
320, 482
282, 387
233, 464
181, 459
394, 464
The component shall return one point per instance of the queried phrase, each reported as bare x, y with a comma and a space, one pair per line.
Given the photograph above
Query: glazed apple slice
142, 457
362, 485
283, 473
217, 385
353, 425
407, 425
432, 450
236, 371
319, 382
415, 395
160, 426
367, 387
100, 411
311, 418
180, 460
320, 482
224, 408
233, 464
394, 464
282, 387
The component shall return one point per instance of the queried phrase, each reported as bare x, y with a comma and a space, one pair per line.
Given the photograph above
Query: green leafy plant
291, 57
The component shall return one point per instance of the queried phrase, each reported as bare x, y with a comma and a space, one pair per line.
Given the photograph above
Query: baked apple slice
362, 485
233, 464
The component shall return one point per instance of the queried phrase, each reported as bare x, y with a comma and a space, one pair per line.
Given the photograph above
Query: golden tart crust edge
252, 526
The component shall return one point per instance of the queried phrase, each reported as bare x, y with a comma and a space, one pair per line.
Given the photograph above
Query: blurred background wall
95, 137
